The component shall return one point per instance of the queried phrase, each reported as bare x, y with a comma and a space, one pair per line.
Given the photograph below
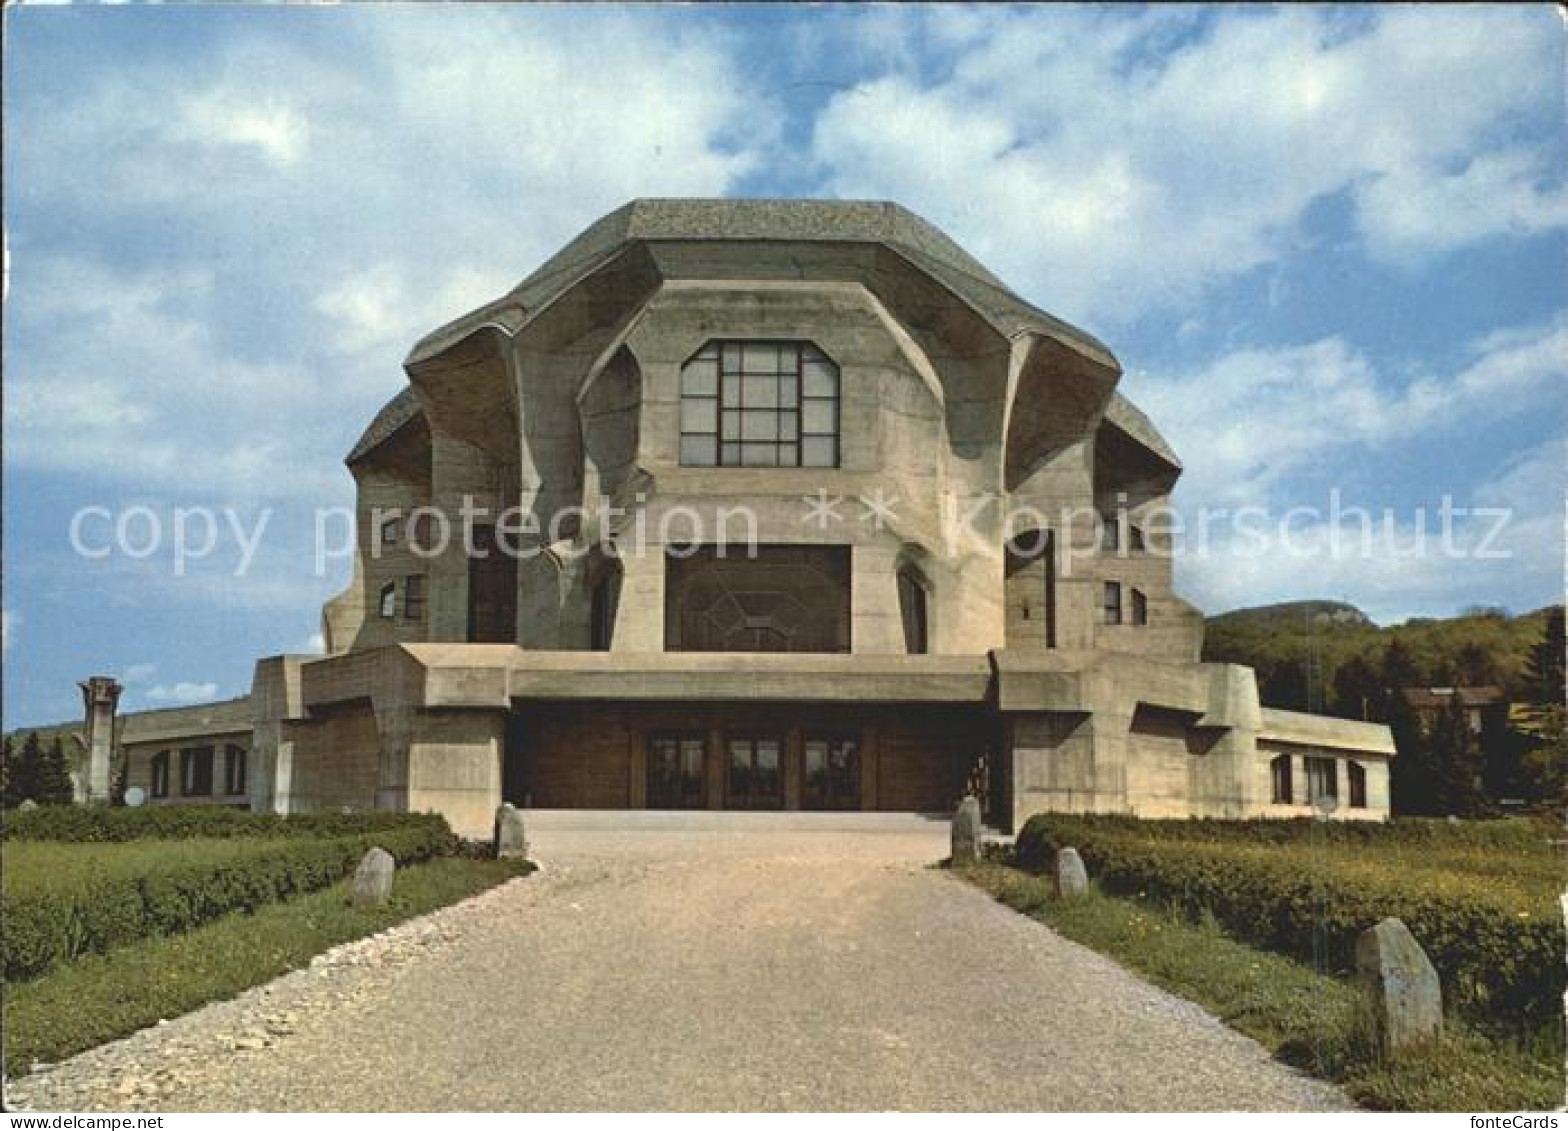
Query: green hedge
55, 925
1497, 946
104, 824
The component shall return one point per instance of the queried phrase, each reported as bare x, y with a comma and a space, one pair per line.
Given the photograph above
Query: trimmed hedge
108, 824
111, 908
1497, 946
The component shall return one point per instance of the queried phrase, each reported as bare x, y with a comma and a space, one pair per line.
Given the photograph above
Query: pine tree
24, 771
1359, 692
1543, 770
54, 776
1411, 785
1457, 764
7, 765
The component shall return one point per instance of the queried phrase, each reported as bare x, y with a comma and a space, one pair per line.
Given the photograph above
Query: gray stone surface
966, 832
708, 962
373, 879
510, 840
1400, 985
1072, 878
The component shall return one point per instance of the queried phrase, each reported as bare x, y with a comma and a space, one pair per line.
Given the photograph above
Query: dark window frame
1356, 775
389, 531
828, 799
722, 364
1326, 770
1112, 603
236, 769
196, 771
686, 798
914, 607
750, 798
1140, 608
159, 773
414, 597
386, 601
1282, 780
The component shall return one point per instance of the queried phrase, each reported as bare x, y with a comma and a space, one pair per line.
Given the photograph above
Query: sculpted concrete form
956, 581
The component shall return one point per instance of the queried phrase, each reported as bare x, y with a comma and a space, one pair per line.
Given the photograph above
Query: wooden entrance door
755, 776
676, 765
830, 773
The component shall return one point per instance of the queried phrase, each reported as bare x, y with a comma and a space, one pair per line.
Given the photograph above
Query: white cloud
139, 673
315, 213
182, 692
1396, 564
1259, 416
1113, 163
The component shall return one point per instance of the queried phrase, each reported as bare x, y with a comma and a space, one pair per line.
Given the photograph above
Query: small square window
700, 379
759, 455
760, 426
389, 531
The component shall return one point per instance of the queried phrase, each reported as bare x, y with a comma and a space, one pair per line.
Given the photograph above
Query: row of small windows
1114, 613
759, 404
1111, 537
196, 768
1322, 781
413, 598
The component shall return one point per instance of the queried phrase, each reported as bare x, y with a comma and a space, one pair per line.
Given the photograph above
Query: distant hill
1299, 649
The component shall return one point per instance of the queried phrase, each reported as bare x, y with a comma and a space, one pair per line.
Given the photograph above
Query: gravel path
698, 962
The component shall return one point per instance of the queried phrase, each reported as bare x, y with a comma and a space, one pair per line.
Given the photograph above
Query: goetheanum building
773, 505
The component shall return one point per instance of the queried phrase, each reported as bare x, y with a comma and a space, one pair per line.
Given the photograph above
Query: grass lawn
1306, 1018
101, 997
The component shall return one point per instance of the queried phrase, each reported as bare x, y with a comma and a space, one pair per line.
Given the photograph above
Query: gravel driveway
699, 962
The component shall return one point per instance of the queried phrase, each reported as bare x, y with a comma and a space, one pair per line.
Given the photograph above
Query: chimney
100, 697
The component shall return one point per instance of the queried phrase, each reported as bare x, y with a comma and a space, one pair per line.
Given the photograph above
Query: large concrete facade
807, 509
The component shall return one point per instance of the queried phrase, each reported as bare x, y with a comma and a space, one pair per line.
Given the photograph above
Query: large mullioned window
759, 404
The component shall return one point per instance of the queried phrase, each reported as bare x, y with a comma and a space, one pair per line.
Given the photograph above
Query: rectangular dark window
414, 597
388, 600
759, 404
160, 774
234, 775
196, 772
1135, 540
1113, 602
1140, 607
1322, 780
1358, 785
389, 531
1112, 538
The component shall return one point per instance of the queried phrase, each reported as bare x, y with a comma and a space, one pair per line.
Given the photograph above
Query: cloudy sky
1327, 246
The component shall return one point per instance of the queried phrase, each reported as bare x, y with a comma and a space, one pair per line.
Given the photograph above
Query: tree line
34, 771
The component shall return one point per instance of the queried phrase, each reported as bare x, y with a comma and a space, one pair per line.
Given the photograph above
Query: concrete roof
393, 415
785, 221
1123, 414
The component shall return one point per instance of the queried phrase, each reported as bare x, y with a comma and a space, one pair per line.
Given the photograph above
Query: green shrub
91, 909
1495, 939
106, 824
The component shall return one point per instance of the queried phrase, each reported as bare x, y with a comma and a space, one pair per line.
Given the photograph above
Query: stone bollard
1400, 985
1072, 879
966, 833
509, 839
373, 879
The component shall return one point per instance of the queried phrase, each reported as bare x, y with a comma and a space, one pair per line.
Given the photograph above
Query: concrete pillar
100, 698
639, 619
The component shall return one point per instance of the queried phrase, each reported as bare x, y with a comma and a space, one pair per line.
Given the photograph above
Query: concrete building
772, 505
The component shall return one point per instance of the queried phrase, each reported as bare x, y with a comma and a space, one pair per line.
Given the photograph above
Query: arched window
1358, 785
912, 607
604, 600
759, 404
1279, 774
